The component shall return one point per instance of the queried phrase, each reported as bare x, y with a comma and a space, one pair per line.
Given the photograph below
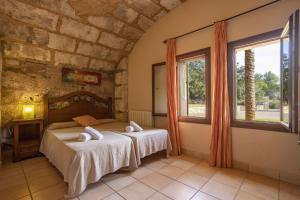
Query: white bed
146, 142
82, 163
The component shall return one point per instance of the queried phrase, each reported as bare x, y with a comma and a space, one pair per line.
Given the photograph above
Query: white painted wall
263, 150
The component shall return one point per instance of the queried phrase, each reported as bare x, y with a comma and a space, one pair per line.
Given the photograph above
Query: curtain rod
227, 19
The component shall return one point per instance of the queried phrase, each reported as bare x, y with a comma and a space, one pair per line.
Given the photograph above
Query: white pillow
136, 126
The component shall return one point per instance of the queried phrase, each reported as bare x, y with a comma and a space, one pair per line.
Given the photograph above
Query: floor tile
219, 190
12, 181
170, 159
183, 164
203, 196
26, 198
289, 191
203, 169
34, 161
39, 165
44, 181
246, 196
171, 171
14, 192
136, 191
190, 159
178, 191
158, 196
232, 177
141, 172
51, 193
10, 170
156, 181
261, 186
192, 180
156, 165
114, 196
118, 181
96, 191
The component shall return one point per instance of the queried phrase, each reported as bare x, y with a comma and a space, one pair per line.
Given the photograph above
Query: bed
82, 163
146, 142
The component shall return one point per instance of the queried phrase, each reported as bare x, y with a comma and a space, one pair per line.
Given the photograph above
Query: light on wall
28, 111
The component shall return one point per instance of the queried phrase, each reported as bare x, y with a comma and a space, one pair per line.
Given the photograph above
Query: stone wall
42, 36
37, 43
121, 90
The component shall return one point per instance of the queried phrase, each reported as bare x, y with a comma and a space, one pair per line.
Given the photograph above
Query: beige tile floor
157, 179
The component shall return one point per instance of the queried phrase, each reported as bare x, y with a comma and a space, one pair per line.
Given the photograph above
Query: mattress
146, 142
82, 163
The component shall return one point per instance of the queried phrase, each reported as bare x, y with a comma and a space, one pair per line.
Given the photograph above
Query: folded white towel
96, 135
135, 126
129, 129
84, 137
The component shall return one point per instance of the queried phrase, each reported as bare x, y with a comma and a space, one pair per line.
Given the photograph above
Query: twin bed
82, 163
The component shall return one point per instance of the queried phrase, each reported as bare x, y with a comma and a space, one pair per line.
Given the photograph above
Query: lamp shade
28, 111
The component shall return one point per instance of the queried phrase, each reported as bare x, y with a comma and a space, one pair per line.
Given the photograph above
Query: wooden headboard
64, 108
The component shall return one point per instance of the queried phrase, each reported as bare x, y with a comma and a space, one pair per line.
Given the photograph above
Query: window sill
193, 120
268, 126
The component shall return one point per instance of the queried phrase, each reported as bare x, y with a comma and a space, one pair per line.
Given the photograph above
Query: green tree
196, 77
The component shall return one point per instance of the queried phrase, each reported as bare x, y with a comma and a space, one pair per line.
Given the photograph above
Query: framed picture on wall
80, 76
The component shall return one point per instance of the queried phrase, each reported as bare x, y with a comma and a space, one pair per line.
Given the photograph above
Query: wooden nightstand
27, 137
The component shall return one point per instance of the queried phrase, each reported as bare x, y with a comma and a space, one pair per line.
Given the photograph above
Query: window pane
192, 87
285, 80
258, 82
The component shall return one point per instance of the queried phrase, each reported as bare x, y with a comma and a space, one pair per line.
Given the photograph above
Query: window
263, 81
194, 86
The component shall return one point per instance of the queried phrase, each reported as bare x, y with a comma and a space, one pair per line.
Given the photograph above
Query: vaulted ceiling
124, 21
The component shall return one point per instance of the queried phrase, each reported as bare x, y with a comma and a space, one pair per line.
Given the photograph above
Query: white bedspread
82, 163
146, 142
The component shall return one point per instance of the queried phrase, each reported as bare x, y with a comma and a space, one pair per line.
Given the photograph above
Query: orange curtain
221, 139
172, 96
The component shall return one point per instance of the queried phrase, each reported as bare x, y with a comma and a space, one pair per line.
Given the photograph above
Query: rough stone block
170, 4
131, 33
121, 92
107, 23
102, 65
147, 7
98, 51
112, 40
160, 15
17, 31
125, 13
59, 6
79, 30
72, 59
107, 86
121, 78
92, 50
61, 42
144, 23
29, 14
16, 50
12, 62
123, 117
129, 46
121, 105
123, 64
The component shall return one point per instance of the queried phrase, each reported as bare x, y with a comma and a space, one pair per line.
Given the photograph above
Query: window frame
206, 52
260, 38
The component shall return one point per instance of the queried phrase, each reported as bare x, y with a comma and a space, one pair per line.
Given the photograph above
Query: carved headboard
64, 108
